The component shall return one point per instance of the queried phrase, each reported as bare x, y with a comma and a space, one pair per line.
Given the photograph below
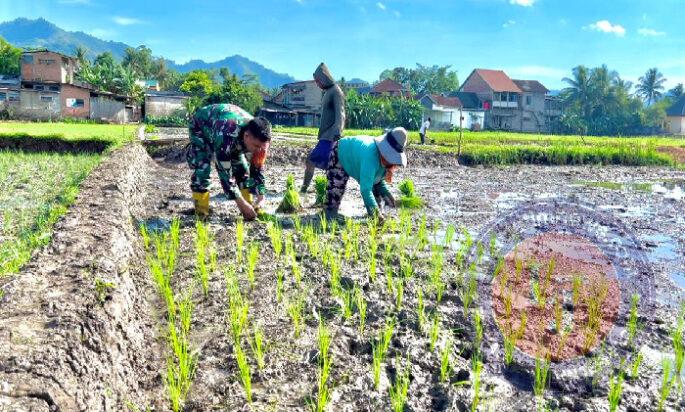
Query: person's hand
259, 202
246, 209
390, 201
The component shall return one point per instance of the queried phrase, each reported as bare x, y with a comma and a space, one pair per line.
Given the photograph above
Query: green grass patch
35, 191
505, 148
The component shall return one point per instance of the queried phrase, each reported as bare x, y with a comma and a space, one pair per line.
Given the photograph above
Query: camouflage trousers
337, 182
201, 153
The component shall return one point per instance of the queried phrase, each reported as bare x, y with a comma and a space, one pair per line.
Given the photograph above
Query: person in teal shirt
371, 161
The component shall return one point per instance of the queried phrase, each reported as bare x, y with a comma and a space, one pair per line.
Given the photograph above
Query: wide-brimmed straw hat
392, 145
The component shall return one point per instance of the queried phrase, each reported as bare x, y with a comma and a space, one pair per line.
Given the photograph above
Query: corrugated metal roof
531, 86
678, 109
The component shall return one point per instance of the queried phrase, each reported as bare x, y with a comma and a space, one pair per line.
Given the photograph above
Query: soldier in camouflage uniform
229, 136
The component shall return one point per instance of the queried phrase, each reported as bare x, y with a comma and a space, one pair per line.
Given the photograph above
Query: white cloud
563, 22
524, 3
397, 14
650, 32
508, 23
126, 21
606, 27
381, 5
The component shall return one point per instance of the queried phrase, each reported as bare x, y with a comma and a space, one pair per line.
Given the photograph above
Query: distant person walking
331, 126
423, 131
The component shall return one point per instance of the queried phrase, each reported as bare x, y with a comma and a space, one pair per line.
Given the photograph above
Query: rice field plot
35, 191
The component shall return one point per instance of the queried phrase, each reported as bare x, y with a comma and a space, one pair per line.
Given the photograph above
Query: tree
139, 61
243, 92
198, 83
677, 92
10, 57
424, 79
650, 85
81, 54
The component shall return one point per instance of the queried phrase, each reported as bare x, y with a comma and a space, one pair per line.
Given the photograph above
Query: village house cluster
488, 99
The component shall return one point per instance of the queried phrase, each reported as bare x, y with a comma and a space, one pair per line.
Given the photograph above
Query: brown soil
677, 153
572, 256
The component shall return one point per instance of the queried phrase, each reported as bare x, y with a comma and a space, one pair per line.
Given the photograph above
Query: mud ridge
54, 143
76, 330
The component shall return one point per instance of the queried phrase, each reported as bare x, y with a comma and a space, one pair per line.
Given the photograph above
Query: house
168, 103
152, 85
675, 117
49, 90
391, 88
304, 98
357, 84
278, 114
448, 112
516, 105
9, 92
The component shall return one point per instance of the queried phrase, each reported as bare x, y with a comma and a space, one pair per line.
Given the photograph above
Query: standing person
331, 126
423, 131
371, 161
228, 135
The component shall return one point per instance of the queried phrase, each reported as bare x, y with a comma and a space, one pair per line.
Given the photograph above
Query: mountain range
40, 33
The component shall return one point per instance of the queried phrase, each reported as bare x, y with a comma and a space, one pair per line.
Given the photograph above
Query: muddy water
642, 232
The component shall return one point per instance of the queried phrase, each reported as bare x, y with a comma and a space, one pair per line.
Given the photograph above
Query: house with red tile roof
448, 112
391, 88
509, 104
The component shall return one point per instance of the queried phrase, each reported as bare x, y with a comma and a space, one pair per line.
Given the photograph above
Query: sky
528, 39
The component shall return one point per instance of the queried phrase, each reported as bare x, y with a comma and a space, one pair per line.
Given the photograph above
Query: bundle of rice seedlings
291, 200
409, 198
321, 186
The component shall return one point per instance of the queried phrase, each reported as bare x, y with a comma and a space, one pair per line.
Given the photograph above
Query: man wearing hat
371, 162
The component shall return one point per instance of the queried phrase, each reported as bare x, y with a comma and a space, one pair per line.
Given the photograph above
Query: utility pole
461, 133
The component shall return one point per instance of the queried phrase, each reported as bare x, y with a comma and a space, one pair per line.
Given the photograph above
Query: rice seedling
335, 271
258, 346
360, 301
476, 371
595, 301
666, 384
678, 348
389, 279
511, 337
296, 271
347, 298
377, 354
333, 228
631, 325
202, 241
518, 267
420, 309
239, 240
373, 248
379, 349
295, 310
422, 232
143, 233
434, 331
279, 285
323, 393
501, 274
321, 187
102, 289
589, 338
493, 245
289, 246
291, 199
244, 370
538, 294
541, 377
181, 362
508, 300
558, 314
478, 329
409, 199
406, 268
615, 391
469, 293
276, 236
399, 390
635, 367
480, 251
467, 238
323, 222
450, 231
399, 293
297, 223
547, 281
445, 367
577, 289
252, 257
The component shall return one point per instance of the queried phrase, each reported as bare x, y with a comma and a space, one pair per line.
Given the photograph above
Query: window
513, 97
46, 61
38, 87
27, 59
3, 96
528, 100
47, 99
54, 88
75, 103
13, 97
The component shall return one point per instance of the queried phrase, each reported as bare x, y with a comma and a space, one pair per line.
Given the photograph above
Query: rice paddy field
540, 279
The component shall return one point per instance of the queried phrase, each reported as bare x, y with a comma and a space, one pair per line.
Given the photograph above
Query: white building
675, 116
448, 112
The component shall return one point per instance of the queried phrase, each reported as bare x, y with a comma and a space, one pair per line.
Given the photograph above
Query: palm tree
650, 85
677, 92
81, 55
579, 89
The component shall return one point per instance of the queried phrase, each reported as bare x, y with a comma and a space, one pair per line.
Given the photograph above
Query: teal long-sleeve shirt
359, 156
